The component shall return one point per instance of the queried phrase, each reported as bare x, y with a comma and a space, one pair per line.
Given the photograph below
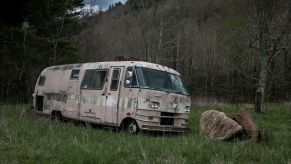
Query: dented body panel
109, 92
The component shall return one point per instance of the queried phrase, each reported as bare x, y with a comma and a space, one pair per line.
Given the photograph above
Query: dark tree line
34, 35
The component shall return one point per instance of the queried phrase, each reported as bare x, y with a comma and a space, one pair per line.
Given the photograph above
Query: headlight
187, 109
153, 104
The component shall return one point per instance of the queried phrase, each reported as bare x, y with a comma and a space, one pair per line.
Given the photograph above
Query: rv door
92, 95
73, 92
113, 95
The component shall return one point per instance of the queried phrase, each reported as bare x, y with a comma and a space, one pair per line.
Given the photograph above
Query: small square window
75, 74
41, 80
115, 79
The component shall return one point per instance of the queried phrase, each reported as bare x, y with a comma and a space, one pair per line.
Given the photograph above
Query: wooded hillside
225, 50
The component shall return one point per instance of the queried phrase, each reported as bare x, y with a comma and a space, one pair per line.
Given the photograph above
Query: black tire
131, 127
57, 116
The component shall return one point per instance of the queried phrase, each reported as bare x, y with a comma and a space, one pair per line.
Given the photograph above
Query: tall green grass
26, 137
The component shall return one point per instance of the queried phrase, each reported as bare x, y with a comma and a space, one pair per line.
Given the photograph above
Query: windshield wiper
159, 89
179, 92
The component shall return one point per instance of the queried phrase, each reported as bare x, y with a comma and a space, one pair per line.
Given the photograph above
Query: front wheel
131, 126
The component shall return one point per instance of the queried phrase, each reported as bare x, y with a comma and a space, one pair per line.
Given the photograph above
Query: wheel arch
126, 120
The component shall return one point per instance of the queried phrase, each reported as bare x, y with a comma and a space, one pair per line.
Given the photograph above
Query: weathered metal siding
62, 94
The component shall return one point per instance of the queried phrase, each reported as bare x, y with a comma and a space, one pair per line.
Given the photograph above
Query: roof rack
127, 58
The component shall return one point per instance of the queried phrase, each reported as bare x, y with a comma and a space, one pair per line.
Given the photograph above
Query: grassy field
28, 138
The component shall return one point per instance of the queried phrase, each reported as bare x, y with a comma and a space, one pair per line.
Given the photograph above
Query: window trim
73, 78
118, 81
105, 79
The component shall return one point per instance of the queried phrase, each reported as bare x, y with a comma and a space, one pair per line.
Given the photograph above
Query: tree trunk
177, 53
160, 37
286, 76
55, 44
260, 92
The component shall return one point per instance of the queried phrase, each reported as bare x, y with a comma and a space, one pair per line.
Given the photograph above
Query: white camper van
132, 95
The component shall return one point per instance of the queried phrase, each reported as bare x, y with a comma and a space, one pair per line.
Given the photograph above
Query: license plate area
167, 118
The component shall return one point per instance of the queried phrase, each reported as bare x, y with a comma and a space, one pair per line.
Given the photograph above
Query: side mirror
129, 74
127, 82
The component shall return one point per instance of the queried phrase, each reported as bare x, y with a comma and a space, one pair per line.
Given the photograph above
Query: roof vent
127, 58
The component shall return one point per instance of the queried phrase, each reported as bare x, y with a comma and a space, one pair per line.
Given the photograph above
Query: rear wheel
57, 116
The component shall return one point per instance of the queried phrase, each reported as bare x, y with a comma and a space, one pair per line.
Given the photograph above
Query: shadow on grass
107, 128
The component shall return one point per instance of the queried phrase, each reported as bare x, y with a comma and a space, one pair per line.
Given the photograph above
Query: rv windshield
160, 80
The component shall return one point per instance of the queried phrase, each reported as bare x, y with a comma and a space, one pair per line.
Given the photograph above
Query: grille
167, 118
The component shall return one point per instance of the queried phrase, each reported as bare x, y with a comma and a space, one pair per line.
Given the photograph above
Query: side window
41, 81
131, 78
115, 79
94, 79
75, 74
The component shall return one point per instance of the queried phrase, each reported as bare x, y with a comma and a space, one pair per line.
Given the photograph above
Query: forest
226, 50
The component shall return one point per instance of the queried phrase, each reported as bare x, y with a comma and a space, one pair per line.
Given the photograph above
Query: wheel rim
132, 128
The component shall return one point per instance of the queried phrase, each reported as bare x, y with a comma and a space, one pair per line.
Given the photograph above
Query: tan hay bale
215, 125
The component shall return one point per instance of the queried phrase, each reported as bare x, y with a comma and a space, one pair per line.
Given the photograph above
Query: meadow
26, 137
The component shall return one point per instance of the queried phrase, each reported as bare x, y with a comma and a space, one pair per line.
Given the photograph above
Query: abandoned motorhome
132, 95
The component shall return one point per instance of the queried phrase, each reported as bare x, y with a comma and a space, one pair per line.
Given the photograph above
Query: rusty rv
133, 95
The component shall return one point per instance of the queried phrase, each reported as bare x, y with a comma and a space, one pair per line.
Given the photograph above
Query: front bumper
154, 120
164, 128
